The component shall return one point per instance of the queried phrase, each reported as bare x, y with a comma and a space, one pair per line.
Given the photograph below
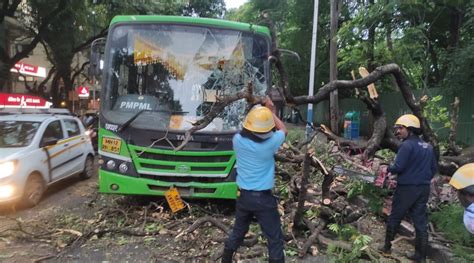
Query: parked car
37, 150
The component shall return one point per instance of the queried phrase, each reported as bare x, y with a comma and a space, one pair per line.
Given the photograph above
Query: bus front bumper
113, 183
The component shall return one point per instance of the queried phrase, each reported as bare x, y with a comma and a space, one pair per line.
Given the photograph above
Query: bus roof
191, 20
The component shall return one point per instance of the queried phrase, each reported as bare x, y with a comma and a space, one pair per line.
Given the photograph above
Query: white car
37, 150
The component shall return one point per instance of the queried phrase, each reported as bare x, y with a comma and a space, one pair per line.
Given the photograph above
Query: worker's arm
402, 159
279, 125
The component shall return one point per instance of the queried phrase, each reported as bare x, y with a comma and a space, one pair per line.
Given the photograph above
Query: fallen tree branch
222, 102
298, 219
314, 234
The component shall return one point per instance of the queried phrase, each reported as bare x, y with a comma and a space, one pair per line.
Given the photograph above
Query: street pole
93, 77
309, 116
333, 96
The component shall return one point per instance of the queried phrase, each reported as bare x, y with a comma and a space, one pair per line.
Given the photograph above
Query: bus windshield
174, 73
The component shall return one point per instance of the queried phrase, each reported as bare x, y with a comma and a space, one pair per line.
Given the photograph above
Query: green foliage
449, 220
204, 8
386, 154
437, 114
374, 194
291, 251
295, 134
350, 234
153, 227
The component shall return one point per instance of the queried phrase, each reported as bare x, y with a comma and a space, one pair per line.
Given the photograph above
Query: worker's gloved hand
392, 181
268, 103
381, 176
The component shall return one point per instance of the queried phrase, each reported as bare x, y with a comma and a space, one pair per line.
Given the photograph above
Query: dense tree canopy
432, 40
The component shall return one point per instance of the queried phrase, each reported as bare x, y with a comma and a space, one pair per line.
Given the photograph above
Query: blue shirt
415, 163
469, 218
255, 161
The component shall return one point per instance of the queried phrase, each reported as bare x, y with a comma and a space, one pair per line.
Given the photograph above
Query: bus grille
187, 165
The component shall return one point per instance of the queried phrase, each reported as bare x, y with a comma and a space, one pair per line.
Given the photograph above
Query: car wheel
34, 190
88, 171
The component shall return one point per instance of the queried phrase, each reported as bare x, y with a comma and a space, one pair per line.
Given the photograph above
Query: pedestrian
463, 181
255, 145
415, 166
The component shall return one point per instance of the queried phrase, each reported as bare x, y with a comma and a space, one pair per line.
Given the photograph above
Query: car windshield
175, 73
17, 133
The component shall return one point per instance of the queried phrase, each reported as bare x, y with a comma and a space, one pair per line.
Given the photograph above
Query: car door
76, 143
56, 154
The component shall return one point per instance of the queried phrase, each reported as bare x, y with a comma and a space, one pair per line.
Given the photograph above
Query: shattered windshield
176, 72
17, 133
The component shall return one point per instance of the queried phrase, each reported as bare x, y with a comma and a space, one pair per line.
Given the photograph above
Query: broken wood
453, 149
371, 87
298, 219
314, 235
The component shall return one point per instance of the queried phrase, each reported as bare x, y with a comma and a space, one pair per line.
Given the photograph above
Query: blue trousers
264, 207
411, 199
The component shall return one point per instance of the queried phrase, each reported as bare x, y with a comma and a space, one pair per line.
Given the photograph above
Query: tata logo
182, 168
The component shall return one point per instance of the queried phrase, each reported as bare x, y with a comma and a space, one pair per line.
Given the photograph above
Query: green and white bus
160, 74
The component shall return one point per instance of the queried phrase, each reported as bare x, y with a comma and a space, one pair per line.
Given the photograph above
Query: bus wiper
129, 121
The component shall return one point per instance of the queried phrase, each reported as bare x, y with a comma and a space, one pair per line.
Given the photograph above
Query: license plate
174, 199
111, 144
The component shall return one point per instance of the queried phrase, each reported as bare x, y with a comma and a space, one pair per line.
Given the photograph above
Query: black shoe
227, 256
390, 233
282, 260
421, 248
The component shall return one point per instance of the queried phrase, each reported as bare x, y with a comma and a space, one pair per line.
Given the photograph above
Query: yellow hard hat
463, 177
408, 120
259, 119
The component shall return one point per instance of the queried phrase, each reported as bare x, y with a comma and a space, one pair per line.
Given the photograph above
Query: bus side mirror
96, 58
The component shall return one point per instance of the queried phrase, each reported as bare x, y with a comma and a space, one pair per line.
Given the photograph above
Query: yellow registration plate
174, 199
111, 144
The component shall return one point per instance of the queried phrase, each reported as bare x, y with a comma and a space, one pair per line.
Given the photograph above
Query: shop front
23, 101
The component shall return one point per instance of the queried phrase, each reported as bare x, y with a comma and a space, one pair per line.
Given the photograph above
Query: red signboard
83, 91
11, 100
28, 69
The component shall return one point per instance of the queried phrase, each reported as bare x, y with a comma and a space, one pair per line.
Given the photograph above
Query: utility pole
93, 77
309, 114
333, 96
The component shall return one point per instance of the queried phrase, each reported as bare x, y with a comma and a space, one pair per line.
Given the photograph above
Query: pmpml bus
160, 74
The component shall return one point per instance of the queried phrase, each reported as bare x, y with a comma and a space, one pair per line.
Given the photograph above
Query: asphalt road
65, 195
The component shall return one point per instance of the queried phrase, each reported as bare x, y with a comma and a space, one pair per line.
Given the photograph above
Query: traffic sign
83, 92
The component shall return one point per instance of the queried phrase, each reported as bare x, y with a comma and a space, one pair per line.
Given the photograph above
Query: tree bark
298, 219
453, 149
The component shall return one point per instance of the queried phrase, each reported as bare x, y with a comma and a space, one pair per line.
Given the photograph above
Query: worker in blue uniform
415, 166
463, 181
262, 135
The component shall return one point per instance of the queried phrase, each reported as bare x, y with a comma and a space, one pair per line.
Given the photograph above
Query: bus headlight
111, 164
7, 169
123, 168
6, 191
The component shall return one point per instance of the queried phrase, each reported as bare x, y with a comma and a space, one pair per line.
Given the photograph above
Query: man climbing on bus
262, 135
